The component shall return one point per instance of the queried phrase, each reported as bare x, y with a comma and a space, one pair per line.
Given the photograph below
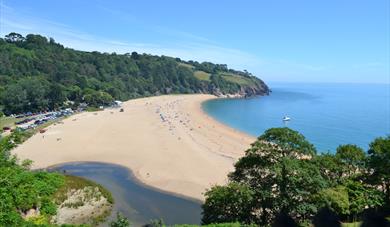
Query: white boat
285, 118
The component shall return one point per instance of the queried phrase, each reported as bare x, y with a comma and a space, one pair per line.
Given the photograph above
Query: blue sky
293, 41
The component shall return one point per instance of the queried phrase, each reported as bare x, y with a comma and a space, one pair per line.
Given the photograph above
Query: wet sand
167, 141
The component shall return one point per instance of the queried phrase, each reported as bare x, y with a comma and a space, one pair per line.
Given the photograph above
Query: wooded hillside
38, 74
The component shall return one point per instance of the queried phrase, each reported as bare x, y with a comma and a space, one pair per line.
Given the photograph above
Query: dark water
137, 202
326, 114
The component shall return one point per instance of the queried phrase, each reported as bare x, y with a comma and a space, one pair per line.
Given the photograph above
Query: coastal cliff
244, 92
258, 88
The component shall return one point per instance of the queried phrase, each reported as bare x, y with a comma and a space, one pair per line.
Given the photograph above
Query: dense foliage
39, 74
282, 174
21, 189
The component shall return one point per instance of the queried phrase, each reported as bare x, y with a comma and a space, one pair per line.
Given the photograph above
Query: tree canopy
281, 173
277, 170
239, 207
379, 163
38, 74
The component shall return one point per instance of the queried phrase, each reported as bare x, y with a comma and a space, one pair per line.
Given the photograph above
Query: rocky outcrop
259, 88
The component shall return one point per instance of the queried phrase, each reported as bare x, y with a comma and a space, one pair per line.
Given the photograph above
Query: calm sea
326, 114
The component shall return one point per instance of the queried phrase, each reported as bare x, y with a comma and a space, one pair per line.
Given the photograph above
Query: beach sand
167, 141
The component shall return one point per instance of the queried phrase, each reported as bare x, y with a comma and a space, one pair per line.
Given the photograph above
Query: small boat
285, 118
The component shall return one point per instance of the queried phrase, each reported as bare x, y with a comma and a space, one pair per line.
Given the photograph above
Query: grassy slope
186, 65
237, 79
9, 121
234, 78
202, 75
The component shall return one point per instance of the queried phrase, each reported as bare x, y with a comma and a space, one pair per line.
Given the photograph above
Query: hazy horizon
331, 42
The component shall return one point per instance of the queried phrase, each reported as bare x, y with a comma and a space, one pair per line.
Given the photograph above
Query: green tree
14, 38
57, 95
379, 162
362, 197
352, 156
28, 94
283, 174
74, 93
230, 203
331, 168
335, 198
14, 99
98, 98
6, 145
279, 169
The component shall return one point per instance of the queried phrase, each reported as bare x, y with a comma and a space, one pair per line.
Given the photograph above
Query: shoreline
222, 124
132, 176
170, 137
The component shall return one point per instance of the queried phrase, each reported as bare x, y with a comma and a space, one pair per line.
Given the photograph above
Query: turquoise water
326, 114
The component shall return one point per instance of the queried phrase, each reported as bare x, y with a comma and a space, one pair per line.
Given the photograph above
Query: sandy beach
167, 141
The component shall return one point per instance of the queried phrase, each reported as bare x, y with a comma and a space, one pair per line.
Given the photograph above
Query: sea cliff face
258, 88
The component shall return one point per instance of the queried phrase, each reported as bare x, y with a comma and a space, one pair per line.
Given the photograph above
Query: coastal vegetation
33, 198
281, 174
38, 74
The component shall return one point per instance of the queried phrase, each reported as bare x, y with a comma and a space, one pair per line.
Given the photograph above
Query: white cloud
191, 48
